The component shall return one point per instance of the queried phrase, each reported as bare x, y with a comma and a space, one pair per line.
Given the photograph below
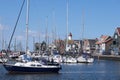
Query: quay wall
107, 57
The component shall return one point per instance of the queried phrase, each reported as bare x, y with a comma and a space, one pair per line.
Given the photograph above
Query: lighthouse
70, 36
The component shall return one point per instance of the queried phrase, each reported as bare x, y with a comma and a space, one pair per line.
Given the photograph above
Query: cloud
42, 35
33, 33
36, 34
1, 27
20, 37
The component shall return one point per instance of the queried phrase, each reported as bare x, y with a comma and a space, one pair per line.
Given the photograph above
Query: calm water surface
102, 70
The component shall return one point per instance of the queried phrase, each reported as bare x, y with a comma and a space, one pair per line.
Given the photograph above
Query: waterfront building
116, 41
60, 45
78, 44
89, 45
103, 45
69, 42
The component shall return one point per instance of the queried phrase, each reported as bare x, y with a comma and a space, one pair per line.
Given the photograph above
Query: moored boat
29, 66
70, 59
85, 58
32, 67
3, 60
57, 58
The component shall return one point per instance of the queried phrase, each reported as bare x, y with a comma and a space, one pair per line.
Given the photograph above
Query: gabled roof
104, 39
118, 30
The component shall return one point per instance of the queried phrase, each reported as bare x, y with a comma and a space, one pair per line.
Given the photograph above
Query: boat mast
33, 43
82, 31
47, 30
81, 42
39, 43
15, 26
54, 29
27, 22
67, 25
2, 39
15, 47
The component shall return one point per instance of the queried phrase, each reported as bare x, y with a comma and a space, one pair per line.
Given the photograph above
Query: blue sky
101, 17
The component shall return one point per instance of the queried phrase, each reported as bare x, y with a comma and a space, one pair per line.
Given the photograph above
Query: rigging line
16, 25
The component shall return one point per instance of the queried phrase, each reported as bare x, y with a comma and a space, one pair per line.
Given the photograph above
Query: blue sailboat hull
21, 69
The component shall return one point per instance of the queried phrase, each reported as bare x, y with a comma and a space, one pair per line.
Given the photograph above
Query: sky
100, 17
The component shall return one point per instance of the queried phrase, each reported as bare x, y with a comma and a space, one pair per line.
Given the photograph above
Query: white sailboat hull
85, 60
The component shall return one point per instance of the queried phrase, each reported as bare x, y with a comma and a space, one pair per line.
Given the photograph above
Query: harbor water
99, 70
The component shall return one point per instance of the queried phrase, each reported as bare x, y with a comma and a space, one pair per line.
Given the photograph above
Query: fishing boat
27, 65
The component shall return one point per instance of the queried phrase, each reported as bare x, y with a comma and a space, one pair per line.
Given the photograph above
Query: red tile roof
103, 39
70, 34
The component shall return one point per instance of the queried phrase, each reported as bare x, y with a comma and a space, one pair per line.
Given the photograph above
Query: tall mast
39, 40
15, 47
67, 24
39, 43
15, 26
83, 25
82, 30
27, 21
33, 43
54, 28
47, 30
2, 39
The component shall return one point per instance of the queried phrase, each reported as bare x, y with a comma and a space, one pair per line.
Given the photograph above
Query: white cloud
20, 37
32, 33
36, 34
1, 27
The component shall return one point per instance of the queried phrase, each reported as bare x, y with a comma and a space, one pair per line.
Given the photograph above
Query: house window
116, 36
114, 42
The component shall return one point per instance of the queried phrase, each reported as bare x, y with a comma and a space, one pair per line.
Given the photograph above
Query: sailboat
28, 65
85, 57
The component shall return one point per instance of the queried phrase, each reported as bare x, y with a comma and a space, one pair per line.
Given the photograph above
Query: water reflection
102, 70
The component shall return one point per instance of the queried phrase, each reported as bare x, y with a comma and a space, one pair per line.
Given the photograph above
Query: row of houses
104, 45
